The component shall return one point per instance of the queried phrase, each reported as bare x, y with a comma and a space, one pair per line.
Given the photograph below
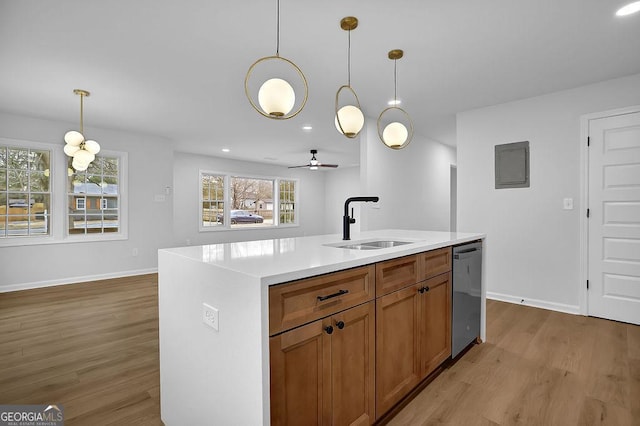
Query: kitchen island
214, 315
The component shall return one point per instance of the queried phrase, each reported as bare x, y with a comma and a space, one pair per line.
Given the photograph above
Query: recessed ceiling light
307, 127
629, 9
226, 150
394, 102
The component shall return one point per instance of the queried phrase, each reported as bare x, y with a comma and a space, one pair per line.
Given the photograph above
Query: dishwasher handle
465, 254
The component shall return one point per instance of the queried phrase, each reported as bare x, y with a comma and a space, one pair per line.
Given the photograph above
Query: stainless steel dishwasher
467, 279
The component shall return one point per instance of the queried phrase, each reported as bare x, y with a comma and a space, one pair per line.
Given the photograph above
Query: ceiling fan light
351, 119
73, 138
276, 97
312, 167
92, 146
70, 150
395, 134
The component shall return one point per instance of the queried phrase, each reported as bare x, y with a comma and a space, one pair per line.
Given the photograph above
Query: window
25, 192
212, 199
288, 201
251, 202
94, 198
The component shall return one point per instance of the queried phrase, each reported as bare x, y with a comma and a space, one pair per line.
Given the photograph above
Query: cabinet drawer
395, 274
299, 302
434, 262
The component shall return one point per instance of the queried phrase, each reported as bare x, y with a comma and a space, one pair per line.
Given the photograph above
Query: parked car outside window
242, 216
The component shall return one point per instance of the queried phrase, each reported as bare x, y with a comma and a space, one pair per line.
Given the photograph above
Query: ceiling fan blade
314, 163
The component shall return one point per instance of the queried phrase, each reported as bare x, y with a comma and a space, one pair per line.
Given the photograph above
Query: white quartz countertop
286, 259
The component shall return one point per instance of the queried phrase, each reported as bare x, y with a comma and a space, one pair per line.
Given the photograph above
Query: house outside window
25, 192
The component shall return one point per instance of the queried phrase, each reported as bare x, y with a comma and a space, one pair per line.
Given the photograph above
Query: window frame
25, 240
84, 204
59, 201
123, 216
226, 224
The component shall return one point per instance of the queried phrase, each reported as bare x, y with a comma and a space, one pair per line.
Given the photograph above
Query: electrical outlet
567, 203
134, 252
210, 316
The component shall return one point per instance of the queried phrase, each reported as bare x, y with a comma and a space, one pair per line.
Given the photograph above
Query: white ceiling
176, 68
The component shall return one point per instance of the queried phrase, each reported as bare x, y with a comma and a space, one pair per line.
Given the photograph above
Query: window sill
34, 241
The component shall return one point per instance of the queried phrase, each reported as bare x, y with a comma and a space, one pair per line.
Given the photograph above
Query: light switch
568, 203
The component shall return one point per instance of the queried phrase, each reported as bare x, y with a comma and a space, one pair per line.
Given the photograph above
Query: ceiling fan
314, 163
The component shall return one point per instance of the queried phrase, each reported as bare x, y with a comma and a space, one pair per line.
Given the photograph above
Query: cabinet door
434, 262
394, 274
435, 322
397, 347
300, 302
301, 376
353, 366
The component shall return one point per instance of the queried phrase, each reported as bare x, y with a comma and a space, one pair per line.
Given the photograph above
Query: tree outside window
212, 199
250, 202
25, 192
288, 201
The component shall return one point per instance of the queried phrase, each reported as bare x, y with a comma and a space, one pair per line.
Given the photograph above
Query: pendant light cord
278, 30
395, 81
81, 108
349, 61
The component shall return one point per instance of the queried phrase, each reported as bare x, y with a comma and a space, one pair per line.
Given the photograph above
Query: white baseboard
75, 280
543, 304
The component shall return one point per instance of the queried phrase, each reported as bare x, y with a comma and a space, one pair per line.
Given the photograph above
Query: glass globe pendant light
83, 151
349, 119
395, 127
276, 97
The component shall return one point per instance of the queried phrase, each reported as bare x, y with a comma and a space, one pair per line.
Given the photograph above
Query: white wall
340, 184
149, 221
533, 245
412, 183
186, 172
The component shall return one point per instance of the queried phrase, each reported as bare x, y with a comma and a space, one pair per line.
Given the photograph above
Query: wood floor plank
537, 368
93, 348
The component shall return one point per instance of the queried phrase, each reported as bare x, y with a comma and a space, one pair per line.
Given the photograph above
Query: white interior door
614, 220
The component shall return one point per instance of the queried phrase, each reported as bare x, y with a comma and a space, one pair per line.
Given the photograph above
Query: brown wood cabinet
397, 346
394, 274
435, 323
340, 358
413, 329
434, 262
323, 373
299, 302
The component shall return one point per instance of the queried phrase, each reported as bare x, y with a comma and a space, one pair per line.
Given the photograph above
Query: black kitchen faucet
347, 220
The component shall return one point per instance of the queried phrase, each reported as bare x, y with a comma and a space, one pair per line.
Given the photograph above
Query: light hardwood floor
94, 349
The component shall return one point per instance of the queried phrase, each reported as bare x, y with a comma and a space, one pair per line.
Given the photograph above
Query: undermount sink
372, 245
